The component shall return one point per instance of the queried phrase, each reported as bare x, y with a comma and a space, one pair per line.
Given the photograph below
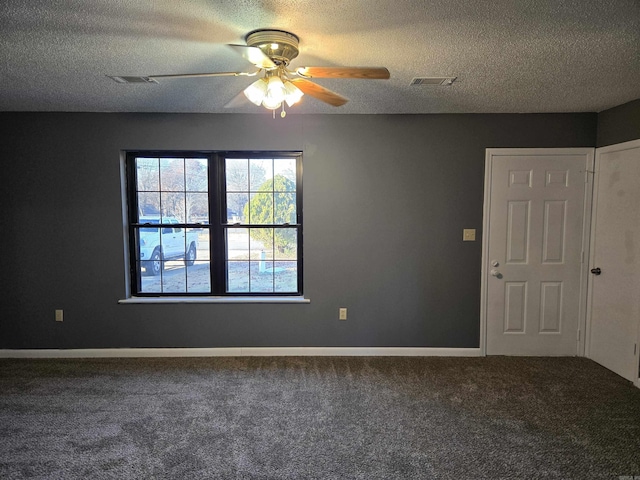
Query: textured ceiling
508, 55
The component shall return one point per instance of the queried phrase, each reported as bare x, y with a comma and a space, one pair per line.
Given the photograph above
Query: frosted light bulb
256, 91
293, 93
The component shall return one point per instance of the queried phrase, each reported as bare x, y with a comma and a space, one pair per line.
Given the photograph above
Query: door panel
518, 232
551, 307
554, 231
615, 249
515, 311
533, 250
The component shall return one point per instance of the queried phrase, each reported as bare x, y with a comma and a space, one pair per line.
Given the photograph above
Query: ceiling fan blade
152, 78
254, 55
316, 91
196, 75
240, 100
344, 72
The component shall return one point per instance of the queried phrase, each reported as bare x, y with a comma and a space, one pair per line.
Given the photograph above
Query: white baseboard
244, 352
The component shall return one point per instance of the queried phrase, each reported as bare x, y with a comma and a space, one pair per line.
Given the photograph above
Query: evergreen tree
261, 210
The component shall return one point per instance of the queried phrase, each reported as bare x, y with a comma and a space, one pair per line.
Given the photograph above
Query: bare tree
239, 177
173, 187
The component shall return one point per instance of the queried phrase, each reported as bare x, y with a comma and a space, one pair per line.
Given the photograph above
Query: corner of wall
619, 124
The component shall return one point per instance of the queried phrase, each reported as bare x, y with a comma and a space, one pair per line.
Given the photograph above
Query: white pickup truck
170, 244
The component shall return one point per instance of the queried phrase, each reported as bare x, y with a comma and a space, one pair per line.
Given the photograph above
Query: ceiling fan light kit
275, 93
271, 51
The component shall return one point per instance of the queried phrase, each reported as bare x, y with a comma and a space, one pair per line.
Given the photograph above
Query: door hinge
578, 335
582, 256
635, 349
586, 175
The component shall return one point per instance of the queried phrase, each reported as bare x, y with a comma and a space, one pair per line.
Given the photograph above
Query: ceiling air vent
132, 79
446, 81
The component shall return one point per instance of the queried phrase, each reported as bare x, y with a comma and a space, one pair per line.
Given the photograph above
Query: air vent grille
132, 79
445, 81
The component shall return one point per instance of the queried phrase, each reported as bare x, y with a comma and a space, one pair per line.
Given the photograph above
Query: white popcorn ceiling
508, 55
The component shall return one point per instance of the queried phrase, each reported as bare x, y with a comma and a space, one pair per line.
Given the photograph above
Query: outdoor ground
246, 273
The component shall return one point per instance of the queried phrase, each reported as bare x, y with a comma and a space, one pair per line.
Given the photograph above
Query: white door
533, 250
615, 250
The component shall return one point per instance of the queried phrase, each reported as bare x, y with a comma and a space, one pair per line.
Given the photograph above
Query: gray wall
619, 124
385, 202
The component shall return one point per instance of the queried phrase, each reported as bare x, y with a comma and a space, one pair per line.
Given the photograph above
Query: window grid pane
184, 268
271, 199
196, 174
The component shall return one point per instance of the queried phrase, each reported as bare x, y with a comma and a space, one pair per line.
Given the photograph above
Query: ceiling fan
271, 51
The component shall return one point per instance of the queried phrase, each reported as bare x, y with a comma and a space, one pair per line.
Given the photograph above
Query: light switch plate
469, 235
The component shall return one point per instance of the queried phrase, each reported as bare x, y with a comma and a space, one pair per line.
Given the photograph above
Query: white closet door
614, 286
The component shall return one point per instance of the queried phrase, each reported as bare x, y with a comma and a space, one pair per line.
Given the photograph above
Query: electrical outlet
343, 314
59, 315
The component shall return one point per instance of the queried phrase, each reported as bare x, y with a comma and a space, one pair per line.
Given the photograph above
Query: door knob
495, 273
596, 271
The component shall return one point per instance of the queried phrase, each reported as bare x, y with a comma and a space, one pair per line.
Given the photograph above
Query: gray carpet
317, 418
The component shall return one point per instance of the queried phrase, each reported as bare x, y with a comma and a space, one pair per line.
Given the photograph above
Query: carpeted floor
317, 418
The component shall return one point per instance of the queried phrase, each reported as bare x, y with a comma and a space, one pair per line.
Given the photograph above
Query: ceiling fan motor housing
278, 45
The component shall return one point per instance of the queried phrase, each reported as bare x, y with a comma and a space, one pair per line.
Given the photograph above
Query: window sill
140, 300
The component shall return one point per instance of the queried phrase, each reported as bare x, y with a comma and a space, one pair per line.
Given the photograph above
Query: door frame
586, 233
618, 147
